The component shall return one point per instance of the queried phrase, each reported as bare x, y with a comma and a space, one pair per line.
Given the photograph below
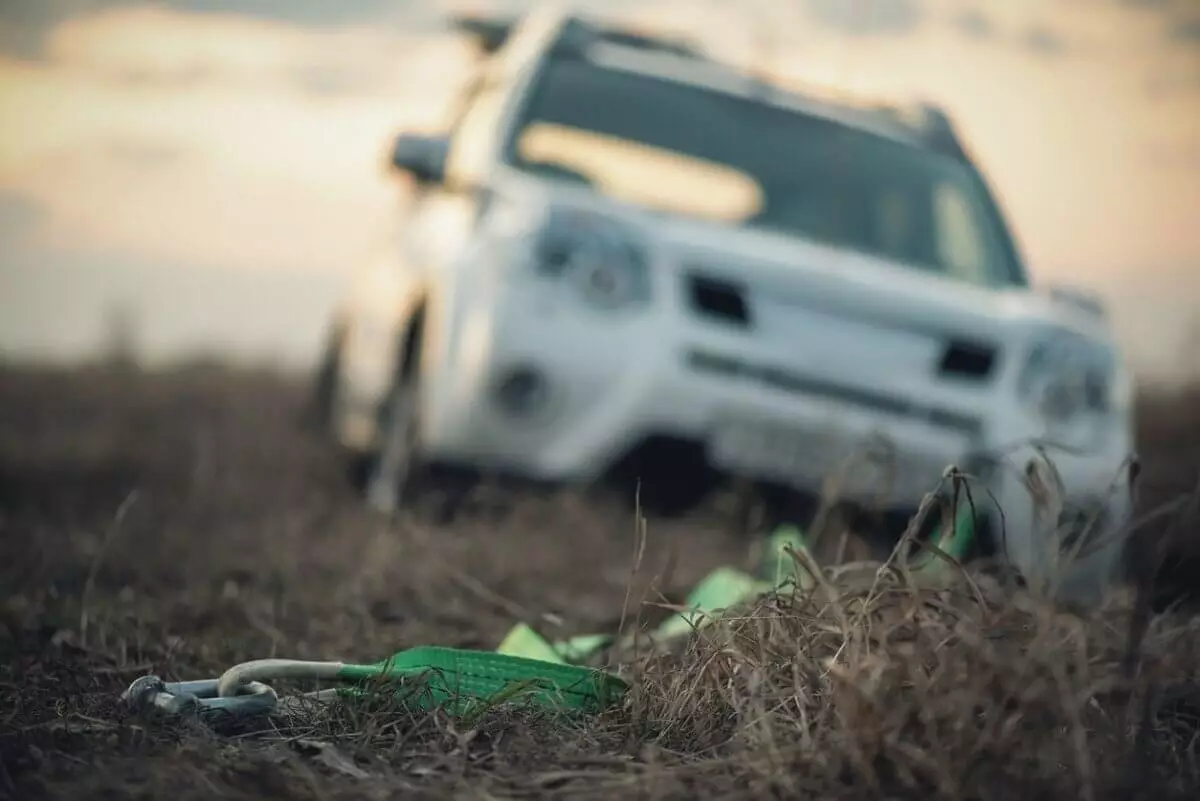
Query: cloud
972, 22
313, 12
1185, 30
1043, 41
1178, 154
325, 81
18, 214
248, 144
157, 50
1151, 5
25, 25
1170, 84
1181, 18
141, 153
1170, 7
864, 19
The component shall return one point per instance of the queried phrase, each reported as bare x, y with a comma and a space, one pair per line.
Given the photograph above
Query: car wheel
396, 466
833, 537
671, 500
761, 508
324, 386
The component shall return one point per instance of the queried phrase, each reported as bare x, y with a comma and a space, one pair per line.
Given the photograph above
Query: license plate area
863, 467
778, 451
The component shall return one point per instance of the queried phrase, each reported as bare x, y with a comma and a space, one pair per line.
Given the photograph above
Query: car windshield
692, 150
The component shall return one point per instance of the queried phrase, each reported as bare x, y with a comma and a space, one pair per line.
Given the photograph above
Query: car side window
961, 243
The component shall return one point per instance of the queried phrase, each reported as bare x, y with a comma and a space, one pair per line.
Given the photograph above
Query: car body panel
840, 353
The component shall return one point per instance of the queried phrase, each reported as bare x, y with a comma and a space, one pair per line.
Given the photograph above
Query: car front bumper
1072, 547
604, 382
610, 380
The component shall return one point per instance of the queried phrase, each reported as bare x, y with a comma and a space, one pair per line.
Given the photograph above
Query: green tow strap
524, 666
455, 679
726, 587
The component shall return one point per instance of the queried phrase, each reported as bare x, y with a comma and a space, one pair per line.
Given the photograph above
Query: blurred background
197, 178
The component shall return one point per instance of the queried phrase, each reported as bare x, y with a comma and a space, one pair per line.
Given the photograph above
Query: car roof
724, 78
924, 126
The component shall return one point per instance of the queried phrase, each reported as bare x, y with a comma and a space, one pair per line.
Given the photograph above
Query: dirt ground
179, 523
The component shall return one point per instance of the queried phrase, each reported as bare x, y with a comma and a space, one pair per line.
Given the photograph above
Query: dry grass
177, 524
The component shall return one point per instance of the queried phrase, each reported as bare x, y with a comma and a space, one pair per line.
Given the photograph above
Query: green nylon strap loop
726, 587
456, 677
525, 665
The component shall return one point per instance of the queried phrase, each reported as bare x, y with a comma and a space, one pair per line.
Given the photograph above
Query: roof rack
929, 123
491, 32
657, 43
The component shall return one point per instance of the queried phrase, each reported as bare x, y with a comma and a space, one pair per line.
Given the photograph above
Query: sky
217, 166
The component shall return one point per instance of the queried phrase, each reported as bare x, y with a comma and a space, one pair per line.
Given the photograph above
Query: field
179, 523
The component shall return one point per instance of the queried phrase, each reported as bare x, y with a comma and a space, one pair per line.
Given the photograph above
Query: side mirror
1090, 302
423, 157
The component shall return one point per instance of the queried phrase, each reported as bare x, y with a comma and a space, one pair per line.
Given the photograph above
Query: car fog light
521, 391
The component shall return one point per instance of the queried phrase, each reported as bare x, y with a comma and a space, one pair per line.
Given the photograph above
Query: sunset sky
218, 164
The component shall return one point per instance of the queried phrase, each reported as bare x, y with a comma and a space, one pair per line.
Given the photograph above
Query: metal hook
198, 697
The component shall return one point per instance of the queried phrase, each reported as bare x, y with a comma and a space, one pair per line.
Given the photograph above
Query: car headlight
603, 259
504, 220
1070, 382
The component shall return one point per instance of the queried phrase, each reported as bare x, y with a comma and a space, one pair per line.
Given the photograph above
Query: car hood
805, 273
795, 271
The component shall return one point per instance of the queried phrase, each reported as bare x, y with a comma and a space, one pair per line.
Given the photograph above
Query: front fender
384, 301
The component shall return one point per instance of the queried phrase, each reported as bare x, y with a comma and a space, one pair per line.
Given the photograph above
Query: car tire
760, 509
394, 470
325, 384
672, 500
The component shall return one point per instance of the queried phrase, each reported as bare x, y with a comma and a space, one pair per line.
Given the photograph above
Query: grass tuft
178, 523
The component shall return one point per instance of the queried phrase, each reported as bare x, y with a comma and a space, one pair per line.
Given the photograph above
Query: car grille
728, 303
719, 300
781, 379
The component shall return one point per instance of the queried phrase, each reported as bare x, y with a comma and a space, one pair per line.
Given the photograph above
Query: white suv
625, 249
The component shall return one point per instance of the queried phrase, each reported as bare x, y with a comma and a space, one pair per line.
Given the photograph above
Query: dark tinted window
635, 136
